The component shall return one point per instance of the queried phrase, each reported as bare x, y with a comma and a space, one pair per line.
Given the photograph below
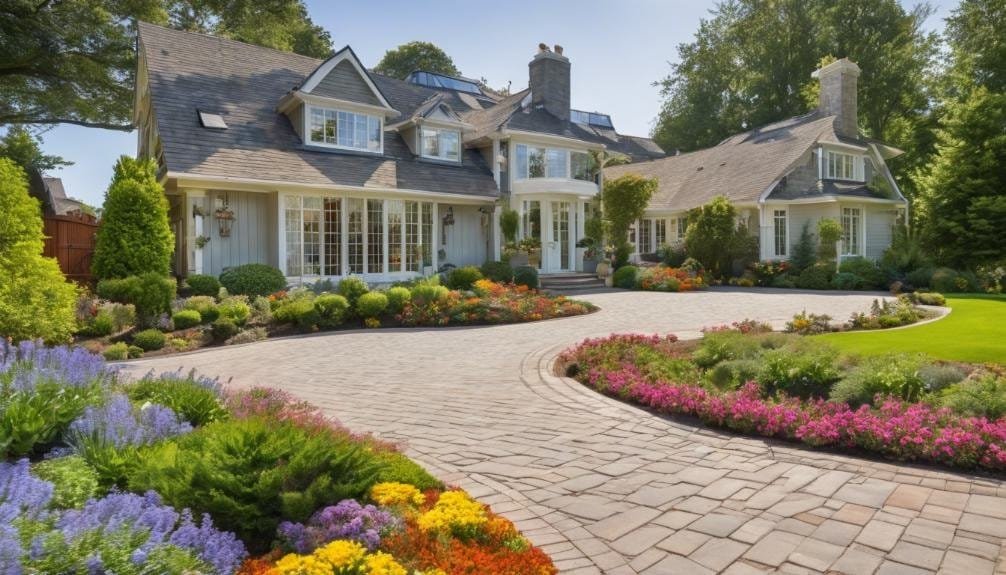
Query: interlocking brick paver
610, 488
916, 555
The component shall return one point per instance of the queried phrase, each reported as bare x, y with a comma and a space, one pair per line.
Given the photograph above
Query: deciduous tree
407, 58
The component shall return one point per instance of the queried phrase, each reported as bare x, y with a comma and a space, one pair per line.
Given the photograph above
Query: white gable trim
346, 54
880, 164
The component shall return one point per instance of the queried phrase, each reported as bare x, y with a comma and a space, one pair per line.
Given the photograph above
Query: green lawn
975, 331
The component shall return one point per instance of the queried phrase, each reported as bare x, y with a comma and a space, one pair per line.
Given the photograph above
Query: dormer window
842, 166
441, 144
345, 129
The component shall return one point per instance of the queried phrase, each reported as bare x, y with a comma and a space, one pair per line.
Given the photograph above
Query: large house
784, 176
326, 169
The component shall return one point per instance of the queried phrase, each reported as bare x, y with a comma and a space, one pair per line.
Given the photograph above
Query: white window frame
308, 136
440, 144
855, 232
780, 216
525, 173
856, 166
679, 225
645, 236
659, 232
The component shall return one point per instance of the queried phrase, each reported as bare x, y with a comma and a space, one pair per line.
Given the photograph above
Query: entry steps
570, 282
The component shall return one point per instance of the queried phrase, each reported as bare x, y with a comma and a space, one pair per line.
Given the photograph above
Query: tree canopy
74, 61
24, 148
407, 58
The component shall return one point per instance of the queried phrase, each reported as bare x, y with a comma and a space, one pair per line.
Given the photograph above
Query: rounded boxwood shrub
298, 310
205, 305
236, 309
331, 309
625, 277
224, 329
397, 298
252, 280
371, 304
817, 276
427, 293
134, 352
526, 276
848, 281
186, 318
919, 278
462, 278
498, 271
929, 298
151, 294
352, 288
116, 352
149, 339
871, 276
201, 284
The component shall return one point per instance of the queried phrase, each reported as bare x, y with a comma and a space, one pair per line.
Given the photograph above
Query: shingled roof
244, 83
741, 168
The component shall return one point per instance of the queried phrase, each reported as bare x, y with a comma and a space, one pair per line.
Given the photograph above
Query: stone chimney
549, 81
838, 95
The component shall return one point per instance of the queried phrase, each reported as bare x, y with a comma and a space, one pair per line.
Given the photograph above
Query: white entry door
559, 244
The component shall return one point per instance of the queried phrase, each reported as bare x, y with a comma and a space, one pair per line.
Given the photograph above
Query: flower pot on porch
518, 259
590, 266
601, 269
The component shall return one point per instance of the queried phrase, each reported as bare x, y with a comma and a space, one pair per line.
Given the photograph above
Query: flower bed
177, 474
689, 277
906, 421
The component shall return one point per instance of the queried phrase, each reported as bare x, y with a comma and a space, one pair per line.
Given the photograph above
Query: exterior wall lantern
448, 220
225, 218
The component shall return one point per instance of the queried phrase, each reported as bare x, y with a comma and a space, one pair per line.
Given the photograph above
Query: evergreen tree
135, 236
35, 299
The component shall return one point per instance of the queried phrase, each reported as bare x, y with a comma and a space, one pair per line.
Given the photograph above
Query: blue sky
617, 49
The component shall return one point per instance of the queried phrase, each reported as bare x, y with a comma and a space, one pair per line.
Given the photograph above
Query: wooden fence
70, 239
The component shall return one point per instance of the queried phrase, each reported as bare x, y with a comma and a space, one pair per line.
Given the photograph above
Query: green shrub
625, 277
462, 278
36, 302
224, 329
352, 288
116, 352
397, 298
498, 272
427, 293
135, 236
249, 335
946, 280
134, 352
261, 311
397, 468
895, 374
526, 276
205, 305
331, 309
193, 398
734, 373
716, 347
251, 474
802, 369
937, 377
253, 280
829, 231
981, 397
371, 304
929, 298
73, 480
186, 318
199, 284
817, 276
236, 309
297, 309
804, 250
804, 323
673, 255
920, 278
151, 293
102, 324
870, 275
149, 339
848, 281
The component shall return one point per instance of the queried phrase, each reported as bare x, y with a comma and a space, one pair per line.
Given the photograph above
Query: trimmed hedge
253, 280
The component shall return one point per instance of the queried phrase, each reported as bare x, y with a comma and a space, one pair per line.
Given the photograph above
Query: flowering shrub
494, 303
664, 278
395, 494
342, 557
744, 326
454, 512
884, 314
765, 272
346, 520
809, 324
894, 428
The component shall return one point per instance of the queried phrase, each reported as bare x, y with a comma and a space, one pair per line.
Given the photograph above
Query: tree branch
103, 125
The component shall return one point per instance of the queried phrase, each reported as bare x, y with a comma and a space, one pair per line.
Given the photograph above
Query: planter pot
518, 259
589, 266
609, 281
602, 269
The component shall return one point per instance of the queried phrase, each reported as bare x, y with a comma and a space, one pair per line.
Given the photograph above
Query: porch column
580, 231
195, 209
495, 227
435, 252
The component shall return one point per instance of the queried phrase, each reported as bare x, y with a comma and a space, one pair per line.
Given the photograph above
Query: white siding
467, 239
879, 230
251, 238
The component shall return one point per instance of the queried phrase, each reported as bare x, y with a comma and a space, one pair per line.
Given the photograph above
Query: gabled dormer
435, 131
339, 107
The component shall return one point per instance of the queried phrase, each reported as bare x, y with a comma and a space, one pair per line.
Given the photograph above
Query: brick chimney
838, 95
549, 82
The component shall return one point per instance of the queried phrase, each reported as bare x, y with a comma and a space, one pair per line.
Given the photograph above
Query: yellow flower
391, 494
455, 511
294, 564
433, 571
383, 564
341, 553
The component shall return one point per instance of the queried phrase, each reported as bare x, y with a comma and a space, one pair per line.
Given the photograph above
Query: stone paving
605, 487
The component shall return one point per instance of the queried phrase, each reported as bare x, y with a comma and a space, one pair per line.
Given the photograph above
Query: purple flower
21, 494
119, 424
10, 551
218, 548
30, 364
345, 520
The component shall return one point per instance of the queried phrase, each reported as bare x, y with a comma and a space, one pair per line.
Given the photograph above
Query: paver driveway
607, 488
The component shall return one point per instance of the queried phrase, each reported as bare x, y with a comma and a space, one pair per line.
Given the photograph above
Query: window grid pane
375, 236
333, 236
293, 236
660, 231
851, 226
354, 237
536, 163
312, 236
427, 234
779, 221
412, 243
644, 236
580, 165
555, 163
449, 145
396, 212
522, 163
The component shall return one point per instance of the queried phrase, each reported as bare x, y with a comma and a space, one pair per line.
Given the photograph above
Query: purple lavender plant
210, 383
21, 494
345, 520
119, 424
30, 364
10, 551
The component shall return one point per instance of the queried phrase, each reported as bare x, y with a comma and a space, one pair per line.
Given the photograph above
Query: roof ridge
141, 23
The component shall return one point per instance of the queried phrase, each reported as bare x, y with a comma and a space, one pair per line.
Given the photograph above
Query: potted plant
525, 248
509, 221
591, 243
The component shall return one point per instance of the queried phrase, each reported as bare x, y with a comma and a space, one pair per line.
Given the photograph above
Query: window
555, 163
319, 231
536, 163
441, 144
679, 226
660, 232
645, 246
780, 232
839, 166
579, 166
343, 129
852, 226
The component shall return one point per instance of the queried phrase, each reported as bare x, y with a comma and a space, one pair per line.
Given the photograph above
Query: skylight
432, 80
590, 118
213, 121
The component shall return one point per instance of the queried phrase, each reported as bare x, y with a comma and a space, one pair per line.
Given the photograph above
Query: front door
559, 251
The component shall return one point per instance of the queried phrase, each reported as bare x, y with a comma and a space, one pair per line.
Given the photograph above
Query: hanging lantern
225, 220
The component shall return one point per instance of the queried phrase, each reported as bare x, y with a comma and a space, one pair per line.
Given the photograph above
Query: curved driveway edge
605, 487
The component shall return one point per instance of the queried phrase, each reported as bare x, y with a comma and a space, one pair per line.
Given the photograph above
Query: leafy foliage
151, 293
713, 237
799, 369
497, 271
526, 276
625, 199
186, 318
982, 397
803, 250
253, 280
352, 288
371, 304
407, 58
201, 284
895, 374
73, 480
24, 148
195, 399
135, 236
625, 277
829, 231
35, 299
463, 277
331, 309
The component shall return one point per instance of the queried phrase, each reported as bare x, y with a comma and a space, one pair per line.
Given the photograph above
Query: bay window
852, 227
344, 129
441, 144
334, 236
579, 166
542, 162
